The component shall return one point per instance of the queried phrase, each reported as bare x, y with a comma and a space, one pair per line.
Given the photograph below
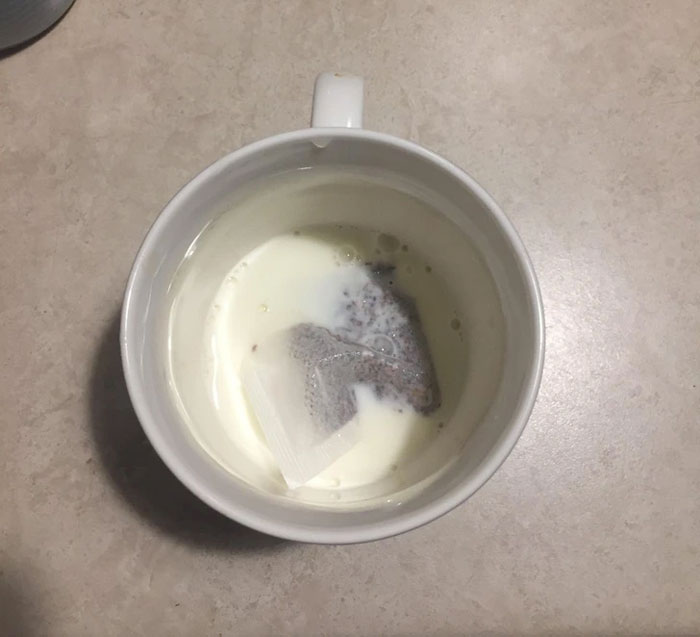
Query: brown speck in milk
255, 347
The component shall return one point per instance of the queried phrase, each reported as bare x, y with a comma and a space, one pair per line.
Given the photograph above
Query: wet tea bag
301, 381
300, 384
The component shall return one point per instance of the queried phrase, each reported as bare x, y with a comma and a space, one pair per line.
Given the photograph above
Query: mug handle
338, 101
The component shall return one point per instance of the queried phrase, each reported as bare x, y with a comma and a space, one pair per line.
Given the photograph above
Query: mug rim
375, 531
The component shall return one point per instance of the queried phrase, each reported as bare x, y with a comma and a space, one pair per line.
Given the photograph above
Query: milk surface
223, 305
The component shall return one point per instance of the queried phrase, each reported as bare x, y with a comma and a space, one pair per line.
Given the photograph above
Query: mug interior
475, 218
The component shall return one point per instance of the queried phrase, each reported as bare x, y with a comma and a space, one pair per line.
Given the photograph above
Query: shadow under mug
335, 139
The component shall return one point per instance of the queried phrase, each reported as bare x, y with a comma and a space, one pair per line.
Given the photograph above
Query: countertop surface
581, 118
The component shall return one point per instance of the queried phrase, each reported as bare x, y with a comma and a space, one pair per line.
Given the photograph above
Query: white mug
335, 139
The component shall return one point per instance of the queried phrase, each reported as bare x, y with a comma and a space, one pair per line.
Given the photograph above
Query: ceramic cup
335, 139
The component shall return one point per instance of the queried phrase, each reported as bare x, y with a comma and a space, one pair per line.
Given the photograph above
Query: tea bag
300, 383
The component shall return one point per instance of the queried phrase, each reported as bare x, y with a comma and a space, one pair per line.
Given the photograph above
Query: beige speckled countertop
581, 118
